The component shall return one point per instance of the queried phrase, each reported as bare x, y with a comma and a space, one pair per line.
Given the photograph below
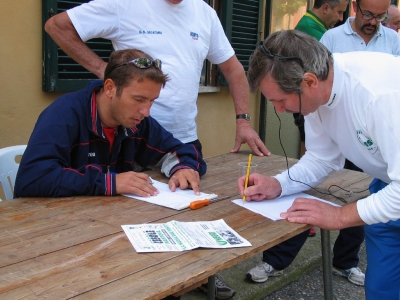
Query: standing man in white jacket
349, 113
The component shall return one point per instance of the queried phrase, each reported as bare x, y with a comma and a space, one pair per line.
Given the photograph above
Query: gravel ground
310, 287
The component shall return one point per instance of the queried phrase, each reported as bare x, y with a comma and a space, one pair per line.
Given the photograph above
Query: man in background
324, 15
364, 31
393, 18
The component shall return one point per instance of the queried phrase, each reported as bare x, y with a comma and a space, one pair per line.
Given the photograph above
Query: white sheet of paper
273, 208
178, 200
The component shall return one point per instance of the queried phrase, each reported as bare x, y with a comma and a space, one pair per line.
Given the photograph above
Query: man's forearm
349, 216
238, 85
62, 31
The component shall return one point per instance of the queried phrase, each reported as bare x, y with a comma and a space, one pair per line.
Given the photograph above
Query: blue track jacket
68, 153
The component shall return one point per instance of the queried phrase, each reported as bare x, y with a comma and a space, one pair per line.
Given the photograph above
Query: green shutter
240, 19
60, 72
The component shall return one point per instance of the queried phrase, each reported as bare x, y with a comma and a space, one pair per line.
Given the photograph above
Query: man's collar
317, 19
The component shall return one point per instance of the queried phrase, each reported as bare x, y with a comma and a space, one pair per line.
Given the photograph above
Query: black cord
321, 192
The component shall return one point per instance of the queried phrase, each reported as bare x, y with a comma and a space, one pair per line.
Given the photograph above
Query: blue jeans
382, 279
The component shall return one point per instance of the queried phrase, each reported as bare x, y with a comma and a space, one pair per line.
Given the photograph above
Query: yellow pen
247, 175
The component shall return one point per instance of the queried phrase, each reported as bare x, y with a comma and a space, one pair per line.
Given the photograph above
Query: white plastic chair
9, 168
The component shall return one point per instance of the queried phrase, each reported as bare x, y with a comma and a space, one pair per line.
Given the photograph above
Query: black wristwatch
243, 116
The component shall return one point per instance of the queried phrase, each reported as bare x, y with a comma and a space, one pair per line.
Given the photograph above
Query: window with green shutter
241, 19
60, 72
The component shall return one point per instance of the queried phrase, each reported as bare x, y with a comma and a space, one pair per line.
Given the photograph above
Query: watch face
243, 116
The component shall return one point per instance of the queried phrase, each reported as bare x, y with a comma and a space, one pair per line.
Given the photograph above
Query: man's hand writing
260, 187
135, 183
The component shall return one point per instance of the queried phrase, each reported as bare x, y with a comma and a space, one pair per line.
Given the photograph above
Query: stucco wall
22, 99
216, 121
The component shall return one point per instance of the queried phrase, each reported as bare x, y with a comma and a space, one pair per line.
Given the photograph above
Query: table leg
327, 264
211, 288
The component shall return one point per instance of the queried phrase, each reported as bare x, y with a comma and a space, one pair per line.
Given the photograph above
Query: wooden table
75, 248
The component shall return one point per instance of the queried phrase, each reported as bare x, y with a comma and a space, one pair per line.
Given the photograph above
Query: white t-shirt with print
181, 35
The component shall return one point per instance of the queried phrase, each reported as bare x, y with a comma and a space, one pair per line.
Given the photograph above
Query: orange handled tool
200, 203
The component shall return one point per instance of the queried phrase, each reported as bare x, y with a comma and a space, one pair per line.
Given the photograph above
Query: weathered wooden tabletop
74, 247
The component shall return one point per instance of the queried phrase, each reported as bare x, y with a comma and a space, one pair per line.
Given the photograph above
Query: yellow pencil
247, 175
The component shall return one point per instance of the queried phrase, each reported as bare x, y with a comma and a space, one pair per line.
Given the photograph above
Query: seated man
94, 141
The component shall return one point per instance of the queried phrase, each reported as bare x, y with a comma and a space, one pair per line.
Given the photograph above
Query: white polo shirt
344, 39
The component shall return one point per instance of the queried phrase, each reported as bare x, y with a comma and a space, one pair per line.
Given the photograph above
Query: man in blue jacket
96, 140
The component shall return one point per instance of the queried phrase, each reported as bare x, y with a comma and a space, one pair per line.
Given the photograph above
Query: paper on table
178, 200
180, 236
273, 208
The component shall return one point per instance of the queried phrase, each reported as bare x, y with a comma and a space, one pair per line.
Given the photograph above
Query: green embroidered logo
367, 142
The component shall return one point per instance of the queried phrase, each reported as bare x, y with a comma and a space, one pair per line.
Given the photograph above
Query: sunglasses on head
141, 63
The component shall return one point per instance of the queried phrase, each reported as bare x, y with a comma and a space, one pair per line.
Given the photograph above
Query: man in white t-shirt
182, 34
352, 113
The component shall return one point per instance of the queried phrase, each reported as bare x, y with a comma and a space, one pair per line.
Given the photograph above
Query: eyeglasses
378, 18
141, 63
268, 53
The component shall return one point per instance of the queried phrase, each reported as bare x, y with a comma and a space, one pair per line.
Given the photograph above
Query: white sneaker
222, 290
354, 275
262, 271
